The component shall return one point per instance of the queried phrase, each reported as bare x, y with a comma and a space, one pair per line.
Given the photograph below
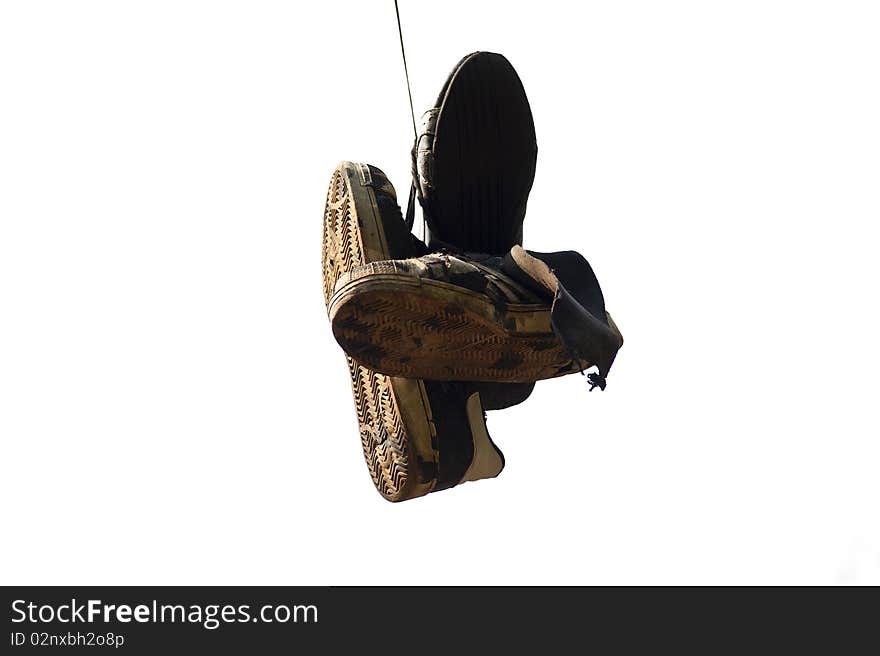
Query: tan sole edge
406, 326
394, 415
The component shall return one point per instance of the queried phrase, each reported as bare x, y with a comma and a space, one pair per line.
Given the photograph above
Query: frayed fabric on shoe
578, 316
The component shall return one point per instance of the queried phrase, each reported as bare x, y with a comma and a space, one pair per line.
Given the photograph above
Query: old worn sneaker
417, 436
520, 318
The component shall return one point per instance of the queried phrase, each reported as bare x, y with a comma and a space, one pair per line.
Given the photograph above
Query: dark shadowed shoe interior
483, 158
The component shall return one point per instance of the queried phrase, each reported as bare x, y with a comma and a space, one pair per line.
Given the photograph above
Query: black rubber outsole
485, 153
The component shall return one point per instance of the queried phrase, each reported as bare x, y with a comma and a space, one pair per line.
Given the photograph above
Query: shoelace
594, 379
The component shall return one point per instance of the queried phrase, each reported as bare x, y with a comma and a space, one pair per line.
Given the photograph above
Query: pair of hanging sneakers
437, 333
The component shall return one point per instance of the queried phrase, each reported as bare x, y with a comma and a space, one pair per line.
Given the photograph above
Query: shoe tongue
530, 272
546, 272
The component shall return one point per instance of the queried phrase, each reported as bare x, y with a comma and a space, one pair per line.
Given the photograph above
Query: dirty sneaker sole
393, 414
389, 318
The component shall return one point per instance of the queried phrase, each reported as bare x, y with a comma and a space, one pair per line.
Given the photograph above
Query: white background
173, 408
